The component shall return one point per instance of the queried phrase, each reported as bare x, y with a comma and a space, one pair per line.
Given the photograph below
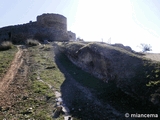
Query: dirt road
14, 83
9, 76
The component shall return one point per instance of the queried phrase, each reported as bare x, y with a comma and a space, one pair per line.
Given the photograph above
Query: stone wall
72, 36
52, 27
52, 20
16, 32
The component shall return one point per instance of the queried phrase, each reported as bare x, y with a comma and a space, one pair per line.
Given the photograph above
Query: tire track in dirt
10, 74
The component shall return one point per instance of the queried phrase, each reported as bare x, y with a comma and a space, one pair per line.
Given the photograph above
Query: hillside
153, 56
134, 74
28, 83
88, 81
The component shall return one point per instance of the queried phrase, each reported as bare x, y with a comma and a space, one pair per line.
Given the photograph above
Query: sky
130, 22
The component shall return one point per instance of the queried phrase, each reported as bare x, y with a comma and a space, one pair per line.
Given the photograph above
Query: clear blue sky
129, 22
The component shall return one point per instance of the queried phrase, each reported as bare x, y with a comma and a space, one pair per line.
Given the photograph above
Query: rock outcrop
134, 75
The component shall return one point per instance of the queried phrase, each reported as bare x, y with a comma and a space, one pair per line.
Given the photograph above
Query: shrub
5, 45
146, 47
32, 42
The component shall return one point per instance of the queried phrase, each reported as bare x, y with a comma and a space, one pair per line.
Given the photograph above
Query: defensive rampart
52, 27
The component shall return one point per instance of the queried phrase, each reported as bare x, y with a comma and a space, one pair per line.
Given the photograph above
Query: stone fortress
51, 27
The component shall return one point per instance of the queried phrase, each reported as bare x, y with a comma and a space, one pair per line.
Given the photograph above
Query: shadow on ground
79, 95
88, 98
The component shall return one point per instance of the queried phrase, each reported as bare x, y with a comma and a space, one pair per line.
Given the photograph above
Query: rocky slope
133, 74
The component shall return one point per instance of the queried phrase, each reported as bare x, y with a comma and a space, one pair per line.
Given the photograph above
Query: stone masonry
52, 27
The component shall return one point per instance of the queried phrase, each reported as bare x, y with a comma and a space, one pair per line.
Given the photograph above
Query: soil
9, 76
14, 81
82, 103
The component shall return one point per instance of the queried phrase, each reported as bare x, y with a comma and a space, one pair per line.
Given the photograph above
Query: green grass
153, 83
43, 66
41, 98
6, 58
38, 102
32, 42
104, 92
45, 60
42, 88
31, 108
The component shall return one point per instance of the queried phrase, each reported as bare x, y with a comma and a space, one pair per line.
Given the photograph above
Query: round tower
55, 21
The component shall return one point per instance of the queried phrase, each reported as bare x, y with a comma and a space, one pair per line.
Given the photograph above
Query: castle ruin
52, 27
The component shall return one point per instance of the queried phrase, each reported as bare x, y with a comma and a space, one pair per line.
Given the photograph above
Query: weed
153, 83
41, 59
32, 42
6, 45
39, 87
42, 115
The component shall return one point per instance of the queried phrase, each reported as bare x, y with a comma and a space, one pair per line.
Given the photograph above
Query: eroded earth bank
105, 81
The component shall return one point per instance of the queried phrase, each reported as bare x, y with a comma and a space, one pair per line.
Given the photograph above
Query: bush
32, 42
5, 45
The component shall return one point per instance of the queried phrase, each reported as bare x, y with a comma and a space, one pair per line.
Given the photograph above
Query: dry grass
32, 42
127, 68
5, 45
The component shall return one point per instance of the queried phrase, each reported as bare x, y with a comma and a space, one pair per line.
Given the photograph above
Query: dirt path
9, 76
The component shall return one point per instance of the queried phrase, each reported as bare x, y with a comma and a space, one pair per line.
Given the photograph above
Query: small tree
146, 47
